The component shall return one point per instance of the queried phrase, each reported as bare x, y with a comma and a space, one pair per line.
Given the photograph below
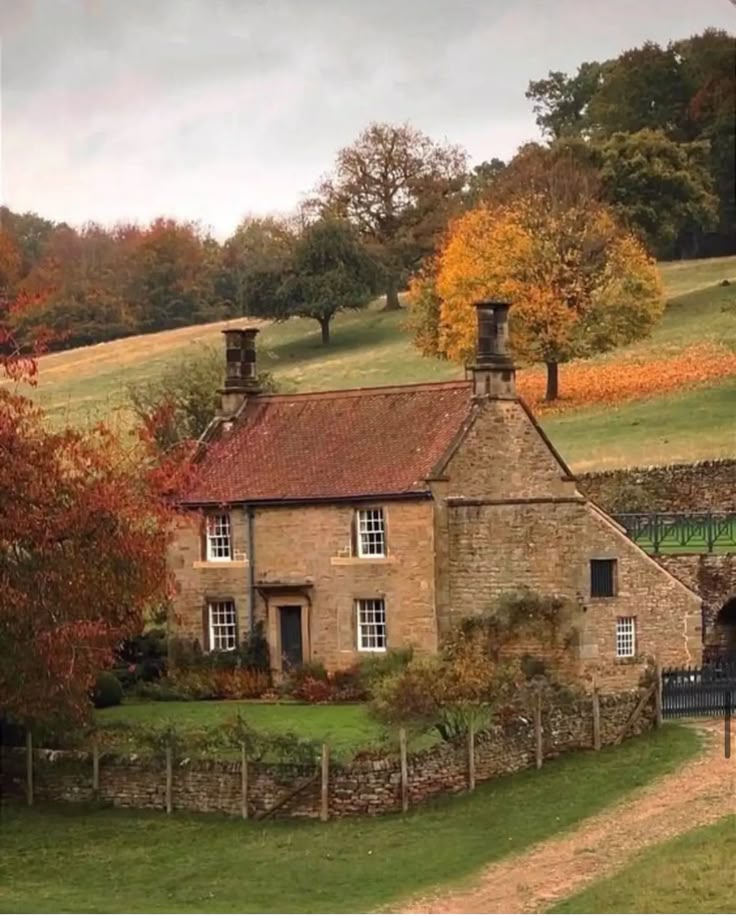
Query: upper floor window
602, 578
371, 533
219, 545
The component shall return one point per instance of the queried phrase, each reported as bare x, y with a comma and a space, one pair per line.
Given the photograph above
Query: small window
223, 626
602, 578
371, 533
218, 537
371, 624
625, 637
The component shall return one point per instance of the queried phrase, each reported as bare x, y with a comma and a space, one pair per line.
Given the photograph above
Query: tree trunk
392, 295
324, 324
553, 384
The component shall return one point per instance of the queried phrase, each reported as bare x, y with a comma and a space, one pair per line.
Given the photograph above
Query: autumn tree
397, 187
10, 265
172, 277
84, 529
579, 283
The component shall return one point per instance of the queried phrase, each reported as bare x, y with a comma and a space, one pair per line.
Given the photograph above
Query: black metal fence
706, 691
679, 532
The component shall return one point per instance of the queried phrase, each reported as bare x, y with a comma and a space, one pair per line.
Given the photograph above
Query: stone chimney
494, 374
241, 378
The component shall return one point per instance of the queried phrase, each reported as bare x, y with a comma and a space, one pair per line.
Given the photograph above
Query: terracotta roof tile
356, 443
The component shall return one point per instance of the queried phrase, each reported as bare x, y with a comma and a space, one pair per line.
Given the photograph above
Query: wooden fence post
95, 766
596, 718
29, 766
169, 778
324, 812
538, 730
404, 771
658, 696
471, 757
243, 782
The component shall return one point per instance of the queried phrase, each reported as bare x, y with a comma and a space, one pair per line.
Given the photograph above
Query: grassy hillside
372, 348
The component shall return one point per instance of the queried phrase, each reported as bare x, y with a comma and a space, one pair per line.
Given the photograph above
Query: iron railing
680, 532
706, 691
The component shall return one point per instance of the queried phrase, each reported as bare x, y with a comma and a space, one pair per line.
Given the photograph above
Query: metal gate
706, 691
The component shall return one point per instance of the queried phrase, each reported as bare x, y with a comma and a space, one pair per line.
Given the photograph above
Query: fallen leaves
585, 384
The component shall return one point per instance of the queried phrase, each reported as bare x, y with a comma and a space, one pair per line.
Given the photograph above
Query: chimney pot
241, 376
493, 371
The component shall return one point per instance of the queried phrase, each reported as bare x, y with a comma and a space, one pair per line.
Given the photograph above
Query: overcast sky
210, 109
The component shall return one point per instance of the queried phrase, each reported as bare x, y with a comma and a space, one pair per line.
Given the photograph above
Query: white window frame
371, 532
223, 632
371, 624
219, 538
625, 637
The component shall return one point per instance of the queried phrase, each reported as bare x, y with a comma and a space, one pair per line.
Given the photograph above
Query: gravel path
700, 792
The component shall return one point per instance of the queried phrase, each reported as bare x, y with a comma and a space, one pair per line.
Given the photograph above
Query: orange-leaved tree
578, 282
84, 527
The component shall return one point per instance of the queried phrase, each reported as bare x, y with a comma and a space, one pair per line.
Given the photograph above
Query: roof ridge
357, 392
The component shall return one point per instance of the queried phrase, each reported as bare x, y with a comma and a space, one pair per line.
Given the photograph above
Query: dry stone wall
706, 486
366, 787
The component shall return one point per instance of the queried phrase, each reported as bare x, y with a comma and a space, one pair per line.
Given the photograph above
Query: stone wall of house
712, 576
367, 787
547, 546
308, 550
700, 487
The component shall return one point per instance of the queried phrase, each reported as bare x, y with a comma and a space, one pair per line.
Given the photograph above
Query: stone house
353, 522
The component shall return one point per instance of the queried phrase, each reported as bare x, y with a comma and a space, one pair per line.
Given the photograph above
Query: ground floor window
625, 637
371, 624
223, 626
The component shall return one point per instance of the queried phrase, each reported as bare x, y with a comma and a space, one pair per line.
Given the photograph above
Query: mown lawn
346, 727
57, 859
691, 874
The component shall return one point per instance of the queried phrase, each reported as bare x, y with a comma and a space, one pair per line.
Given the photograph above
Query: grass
691, 874
680, 537
58, 859
685, 427
373, 348
346, 727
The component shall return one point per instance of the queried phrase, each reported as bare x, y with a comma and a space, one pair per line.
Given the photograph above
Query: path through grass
691, 874
70, 858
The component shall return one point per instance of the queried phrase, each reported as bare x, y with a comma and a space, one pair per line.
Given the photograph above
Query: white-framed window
371, 624
371, 533
625, 637
219, 545
223, 626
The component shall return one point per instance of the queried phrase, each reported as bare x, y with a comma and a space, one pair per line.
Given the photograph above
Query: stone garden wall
701, 487
366, 787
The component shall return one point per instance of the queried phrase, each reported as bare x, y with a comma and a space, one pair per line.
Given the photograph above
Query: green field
691, 874
373, 348
346, 727
57, 859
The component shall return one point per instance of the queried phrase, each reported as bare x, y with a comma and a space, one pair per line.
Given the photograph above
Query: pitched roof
329, 445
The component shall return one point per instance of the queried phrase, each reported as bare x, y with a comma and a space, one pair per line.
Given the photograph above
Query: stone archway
725, 628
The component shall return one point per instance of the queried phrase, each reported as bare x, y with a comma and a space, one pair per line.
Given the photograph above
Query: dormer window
219, 544
371, 533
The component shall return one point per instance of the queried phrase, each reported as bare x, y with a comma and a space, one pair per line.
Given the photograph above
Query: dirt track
700, 792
